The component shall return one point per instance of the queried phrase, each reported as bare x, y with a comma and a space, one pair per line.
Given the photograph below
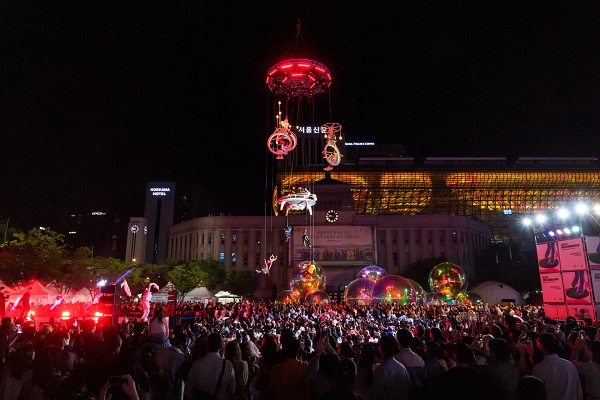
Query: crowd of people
261, 350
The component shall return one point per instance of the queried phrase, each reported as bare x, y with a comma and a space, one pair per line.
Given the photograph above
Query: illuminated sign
360, 143
309, 129
98, 213
160, 191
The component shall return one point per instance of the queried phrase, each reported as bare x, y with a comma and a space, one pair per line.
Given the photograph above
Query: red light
297, 75
329, 76
312, 78
287, 66
313, 85
319, 69
284, 79
273, 71
268, 79
304, 65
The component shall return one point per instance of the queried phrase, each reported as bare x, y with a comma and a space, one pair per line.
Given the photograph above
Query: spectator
233, 353
559, 376
211, 375
290, 376
390, 378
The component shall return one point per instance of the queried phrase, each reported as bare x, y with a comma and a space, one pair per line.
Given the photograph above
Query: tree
241, 282
186, 277
37, 254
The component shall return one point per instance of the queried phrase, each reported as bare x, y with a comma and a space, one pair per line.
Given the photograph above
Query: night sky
96, 99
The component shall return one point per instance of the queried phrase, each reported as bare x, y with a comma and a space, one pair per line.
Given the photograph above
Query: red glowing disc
298, 78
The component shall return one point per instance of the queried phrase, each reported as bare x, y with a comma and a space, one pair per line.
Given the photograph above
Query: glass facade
496, 195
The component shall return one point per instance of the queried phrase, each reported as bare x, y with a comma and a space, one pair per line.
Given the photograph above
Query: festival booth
39, 294
493, 292
162, 295
227, 297
199, 294
82, 295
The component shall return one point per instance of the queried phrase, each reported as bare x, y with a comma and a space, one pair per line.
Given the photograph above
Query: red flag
125, 287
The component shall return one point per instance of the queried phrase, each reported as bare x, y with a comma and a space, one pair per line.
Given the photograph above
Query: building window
406, 235
245, 260
394, 237
234, 237
429, 237
245, 237
454, 238
442, 237
222, 257
417, 237
209, 238
222, 237
395, 257
233, 259
382, 237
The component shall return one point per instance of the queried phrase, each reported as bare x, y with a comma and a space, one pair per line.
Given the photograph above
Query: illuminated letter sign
159, 191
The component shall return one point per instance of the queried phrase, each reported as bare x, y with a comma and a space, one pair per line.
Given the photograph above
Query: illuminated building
343, 242
492, 190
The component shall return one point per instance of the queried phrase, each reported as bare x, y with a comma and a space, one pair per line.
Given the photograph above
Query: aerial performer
146, 297
288, 233
306, 239
266, 267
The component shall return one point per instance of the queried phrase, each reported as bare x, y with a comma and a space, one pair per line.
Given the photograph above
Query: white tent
493, 292
227, 297
162, 295
83, 295
200, 293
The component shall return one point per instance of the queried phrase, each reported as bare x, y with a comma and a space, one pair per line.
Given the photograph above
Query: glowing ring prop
298, 78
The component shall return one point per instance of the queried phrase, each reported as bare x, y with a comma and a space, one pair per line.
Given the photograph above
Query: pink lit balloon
447, 279
438, 299
393, 289
372, 272
359, 291
307, 277
286, 297
419, 292
317, 297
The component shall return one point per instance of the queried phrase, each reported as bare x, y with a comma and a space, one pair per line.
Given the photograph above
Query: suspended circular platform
298, 77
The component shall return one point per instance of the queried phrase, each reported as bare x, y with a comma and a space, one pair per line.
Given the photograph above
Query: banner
592, 243
577, 287
548, 261
572, 254
555, 311
576, 311
340, 245
552, 288
596, 282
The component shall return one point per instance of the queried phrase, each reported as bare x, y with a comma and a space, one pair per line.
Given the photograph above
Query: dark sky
96, 99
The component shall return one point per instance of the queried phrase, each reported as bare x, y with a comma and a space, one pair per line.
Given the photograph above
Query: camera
524, 339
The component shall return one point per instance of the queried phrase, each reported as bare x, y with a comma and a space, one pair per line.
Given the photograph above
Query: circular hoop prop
298, 77
281, 142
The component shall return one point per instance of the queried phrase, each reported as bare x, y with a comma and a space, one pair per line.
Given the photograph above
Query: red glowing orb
298, 78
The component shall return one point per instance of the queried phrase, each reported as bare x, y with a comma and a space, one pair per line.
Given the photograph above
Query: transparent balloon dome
393, 289
474, 298
286, 297
307, 277
359, 291
447, 279
317, 297
419, 292
372, 272
437, 299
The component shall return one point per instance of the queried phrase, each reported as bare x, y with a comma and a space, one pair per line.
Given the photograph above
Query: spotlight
559, 231
551, 233
581, 208
575, 229
597, 208
562, 213
101, 283
540, 218
567, 231
526, 221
